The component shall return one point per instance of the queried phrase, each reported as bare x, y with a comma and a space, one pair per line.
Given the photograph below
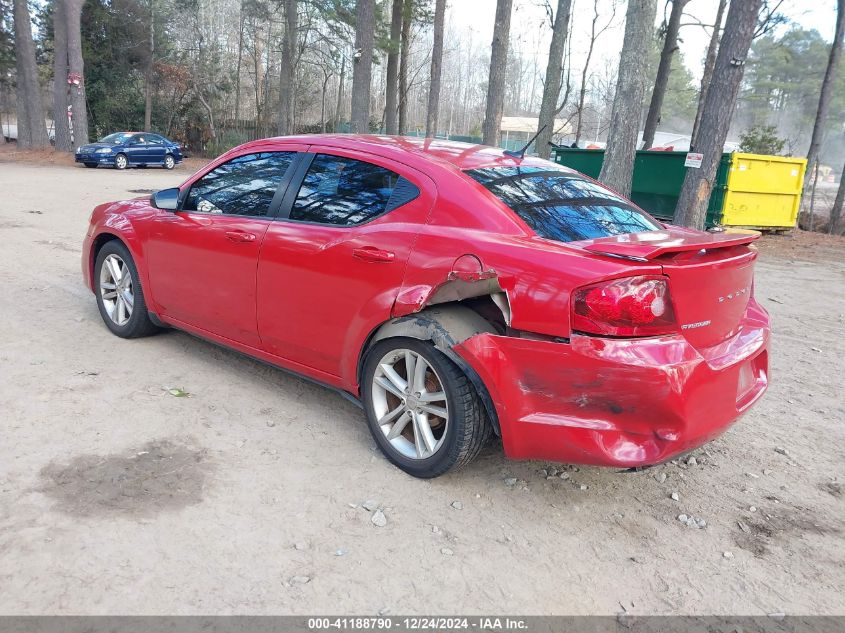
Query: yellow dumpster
763, 191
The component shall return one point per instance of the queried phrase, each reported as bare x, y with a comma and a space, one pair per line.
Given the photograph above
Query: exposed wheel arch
445, 325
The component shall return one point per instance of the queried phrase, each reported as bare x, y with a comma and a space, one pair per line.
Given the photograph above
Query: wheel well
101, 240
446, 325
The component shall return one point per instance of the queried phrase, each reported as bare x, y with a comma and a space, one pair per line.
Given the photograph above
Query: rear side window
562, 205
346, 192
243, 186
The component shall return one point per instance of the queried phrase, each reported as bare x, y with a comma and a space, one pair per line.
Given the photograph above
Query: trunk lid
710, 275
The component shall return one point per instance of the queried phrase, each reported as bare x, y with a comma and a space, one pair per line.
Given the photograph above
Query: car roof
453, 154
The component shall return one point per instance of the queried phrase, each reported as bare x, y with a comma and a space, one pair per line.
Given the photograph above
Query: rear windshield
562, 205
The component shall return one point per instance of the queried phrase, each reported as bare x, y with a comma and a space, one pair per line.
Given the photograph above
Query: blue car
130, 149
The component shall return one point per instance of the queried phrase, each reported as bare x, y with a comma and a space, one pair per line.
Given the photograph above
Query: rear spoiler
652, 244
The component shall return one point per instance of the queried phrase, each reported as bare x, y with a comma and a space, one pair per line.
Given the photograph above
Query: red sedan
454, 289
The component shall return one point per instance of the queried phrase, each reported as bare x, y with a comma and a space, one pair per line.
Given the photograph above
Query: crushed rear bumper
616, 402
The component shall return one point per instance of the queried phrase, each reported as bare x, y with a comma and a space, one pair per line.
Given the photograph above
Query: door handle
240, 236
372, 254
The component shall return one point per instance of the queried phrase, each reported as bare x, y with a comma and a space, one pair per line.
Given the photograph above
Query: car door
333, 261
136, 149
202, 259
155, 149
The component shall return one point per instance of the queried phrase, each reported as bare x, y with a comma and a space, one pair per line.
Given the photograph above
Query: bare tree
77, 70
709, 63
391, 104
32, 129
718, 107
670, 45
618, 166
825, 94
404, 62
436, 64
551, 88
498, 71
63, 142
241, 21
286, 88
835, 227
148, 71
363, 67
340, 84
595, 32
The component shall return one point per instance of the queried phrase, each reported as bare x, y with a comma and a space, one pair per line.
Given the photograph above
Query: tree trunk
391, 104
835, 227
339, 109
583, 92
551, 89
212, 130
363, 67
707, 75
287, 72
825, 95
436, 68
148, 74
238, 65
618, 167
32, 129
498, 71
77, 67
63, 141
718, 111
670, 45
326, 78
404, 59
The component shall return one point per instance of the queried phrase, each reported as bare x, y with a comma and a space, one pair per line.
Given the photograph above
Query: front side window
243, 186
345, 192
562, 205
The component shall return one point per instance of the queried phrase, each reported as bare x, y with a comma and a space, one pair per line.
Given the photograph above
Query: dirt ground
248, 497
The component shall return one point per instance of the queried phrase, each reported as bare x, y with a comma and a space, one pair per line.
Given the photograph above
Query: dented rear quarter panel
536, 274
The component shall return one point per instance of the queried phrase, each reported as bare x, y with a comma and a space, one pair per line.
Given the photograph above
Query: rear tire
438, 423
120, 297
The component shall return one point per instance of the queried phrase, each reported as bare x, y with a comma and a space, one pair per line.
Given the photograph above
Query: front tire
120, 297
121, 162
169, 162
422, 411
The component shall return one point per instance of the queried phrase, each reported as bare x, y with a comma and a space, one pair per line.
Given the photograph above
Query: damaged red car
456, 291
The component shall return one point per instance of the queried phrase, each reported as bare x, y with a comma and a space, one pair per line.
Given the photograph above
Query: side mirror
166, 199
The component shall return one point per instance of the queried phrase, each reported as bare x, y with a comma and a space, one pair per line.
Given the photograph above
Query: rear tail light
634, 306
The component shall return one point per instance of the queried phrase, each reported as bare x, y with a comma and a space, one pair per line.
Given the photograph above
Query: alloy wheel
116, 289
120, 161
169, 162
410, 403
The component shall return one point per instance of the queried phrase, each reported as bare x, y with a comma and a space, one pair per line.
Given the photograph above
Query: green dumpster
658, 177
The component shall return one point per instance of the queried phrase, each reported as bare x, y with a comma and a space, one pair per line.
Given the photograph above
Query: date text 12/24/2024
419, 623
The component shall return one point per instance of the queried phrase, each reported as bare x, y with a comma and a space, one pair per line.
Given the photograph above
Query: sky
527, 25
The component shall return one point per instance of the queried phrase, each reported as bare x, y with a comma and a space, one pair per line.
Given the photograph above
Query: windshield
563, 205
116, 139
